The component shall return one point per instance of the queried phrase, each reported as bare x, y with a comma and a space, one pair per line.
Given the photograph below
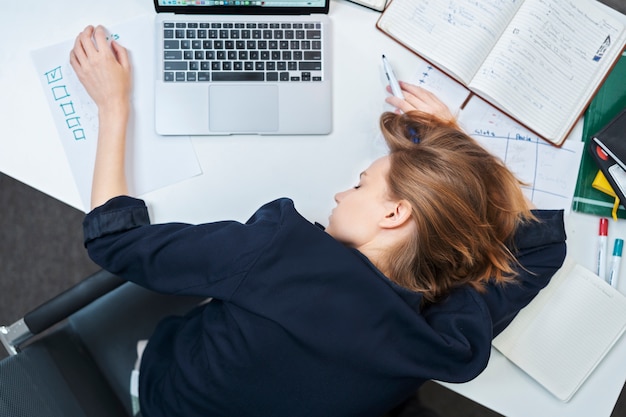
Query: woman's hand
104, 71
417, 98
102, 68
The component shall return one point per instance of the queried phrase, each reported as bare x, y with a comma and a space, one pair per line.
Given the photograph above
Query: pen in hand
393, 81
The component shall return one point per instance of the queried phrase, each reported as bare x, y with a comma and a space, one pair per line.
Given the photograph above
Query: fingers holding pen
121, 54
413, 98
101, 45
91, 45
102, 67
78, 55
425, 100
401, 104
420, 99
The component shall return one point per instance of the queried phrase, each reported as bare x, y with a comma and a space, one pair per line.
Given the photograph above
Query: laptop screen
242, 6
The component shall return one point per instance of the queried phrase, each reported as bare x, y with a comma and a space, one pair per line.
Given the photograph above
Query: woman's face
355, 219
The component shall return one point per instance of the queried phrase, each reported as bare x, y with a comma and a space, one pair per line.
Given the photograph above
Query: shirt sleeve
540, 250
178, 258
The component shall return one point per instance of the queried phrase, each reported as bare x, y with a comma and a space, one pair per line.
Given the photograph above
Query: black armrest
71, 300
58, 308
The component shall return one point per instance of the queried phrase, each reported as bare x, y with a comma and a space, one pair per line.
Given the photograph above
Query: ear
398, 215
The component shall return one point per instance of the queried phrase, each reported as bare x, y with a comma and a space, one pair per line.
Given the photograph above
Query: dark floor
41, 249
41, 254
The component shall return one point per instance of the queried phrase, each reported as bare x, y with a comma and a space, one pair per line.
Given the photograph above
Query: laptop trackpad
243, 108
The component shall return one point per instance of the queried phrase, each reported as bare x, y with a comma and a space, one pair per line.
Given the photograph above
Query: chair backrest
82, 366
56, 377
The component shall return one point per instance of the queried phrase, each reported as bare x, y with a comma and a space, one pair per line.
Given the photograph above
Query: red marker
602, 248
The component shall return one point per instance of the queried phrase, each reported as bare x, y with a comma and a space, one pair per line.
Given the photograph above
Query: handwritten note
465, 30
542, 59
152, 161
64, 90
550, 172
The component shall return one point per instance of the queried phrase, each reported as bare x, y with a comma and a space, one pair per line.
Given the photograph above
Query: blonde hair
465, 203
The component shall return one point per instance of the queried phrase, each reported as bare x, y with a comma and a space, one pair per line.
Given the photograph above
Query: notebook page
547, 64
455, 35
564, 333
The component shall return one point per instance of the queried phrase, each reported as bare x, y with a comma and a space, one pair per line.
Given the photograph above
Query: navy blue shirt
299, 325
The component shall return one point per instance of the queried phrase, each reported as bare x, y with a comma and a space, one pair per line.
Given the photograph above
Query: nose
339, 196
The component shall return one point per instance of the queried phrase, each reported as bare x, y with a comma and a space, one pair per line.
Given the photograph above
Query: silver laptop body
206, 84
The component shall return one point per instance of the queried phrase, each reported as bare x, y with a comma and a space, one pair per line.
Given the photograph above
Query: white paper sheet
550, 172
152, 161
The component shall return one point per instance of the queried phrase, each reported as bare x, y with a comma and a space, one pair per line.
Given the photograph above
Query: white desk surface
240, 173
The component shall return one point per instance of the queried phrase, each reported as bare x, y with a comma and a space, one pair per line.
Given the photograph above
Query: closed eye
356, 187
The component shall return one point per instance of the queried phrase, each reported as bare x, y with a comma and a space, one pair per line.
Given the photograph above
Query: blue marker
615, 262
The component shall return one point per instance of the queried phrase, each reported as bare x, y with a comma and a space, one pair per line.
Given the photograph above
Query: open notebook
540, 62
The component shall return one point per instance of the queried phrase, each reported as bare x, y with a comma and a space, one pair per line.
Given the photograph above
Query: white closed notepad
564, 333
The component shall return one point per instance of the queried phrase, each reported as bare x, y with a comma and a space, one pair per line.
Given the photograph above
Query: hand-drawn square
54, 75
68, 108
72, 122
79, 134
59, 92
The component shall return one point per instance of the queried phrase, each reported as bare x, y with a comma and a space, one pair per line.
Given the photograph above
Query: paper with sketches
551, 172
152, 161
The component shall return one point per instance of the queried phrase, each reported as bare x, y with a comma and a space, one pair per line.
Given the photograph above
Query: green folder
609, 101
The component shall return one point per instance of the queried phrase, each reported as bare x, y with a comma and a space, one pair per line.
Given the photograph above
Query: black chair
73, 355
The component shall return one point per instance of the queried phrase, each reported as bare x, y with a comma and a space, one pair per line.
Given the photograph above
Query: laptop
243, 67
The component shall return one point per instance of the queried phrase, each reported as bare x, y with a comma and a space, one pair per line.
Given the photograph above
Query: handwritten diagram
548, 172
62, 96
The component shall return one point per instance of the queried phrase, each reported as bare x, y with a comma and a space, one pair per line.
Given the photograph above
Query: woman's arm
104, 71
540, 248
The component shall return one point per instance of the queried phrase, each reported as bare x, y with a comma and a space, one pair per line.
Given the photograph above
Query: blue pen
615, 262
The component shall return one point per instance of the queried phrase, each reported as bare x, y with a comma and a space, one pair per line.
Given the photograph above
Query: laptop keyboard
199, 52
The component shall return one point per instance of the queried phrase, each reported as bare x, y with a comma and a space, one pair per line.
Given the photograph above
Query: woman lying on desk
429, 256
